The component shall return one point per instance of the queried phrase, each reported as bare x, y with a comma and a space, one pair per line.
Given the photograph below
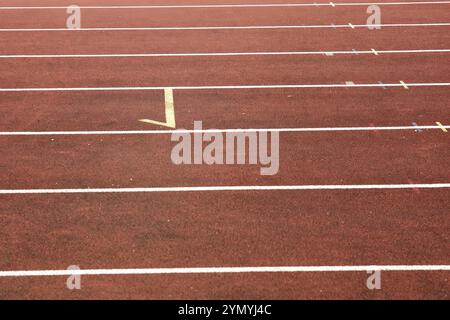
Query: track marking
229, 87
352, 26
207, 270
417, 126
144, 132
192, 6
226, 188
404, 84
349, 83
416, 190
212, 54
374, 51
169, 111
441, 126
382, 85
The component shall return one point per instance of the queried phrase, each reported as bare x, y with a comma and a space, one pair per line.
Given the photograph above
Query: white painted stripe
206, 270
226, 188
212, 54
280, 86
147, 132
351, 26
193, 6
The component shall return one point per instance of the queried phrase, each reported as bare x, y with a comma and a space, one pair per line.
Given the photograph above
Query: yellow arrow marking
170, 111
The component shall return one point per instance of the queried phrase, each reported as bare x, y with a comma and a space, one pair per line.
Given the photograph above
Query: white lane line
226, 188
351, 26
280, 86
193, 6
206, 270
149, 132
212, 54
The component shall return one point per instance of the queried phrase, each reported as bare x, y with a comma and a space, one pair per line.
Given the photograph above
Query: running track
71, 102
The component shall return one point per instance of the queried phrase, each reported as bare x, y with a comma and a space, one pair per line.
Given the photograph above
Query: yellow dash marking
441, 126
169, 109
404, 84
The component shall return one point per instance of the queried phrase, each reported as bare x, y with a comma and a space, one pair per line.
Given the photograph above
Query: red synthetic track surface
217, 229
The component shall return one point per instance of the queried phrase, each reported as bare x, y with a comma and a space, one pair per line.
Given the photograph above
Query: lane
317, 228
224, 41
145, 161
285, 108
219, 71
322, 228
80, 110
264, 286
207, 2
178, 17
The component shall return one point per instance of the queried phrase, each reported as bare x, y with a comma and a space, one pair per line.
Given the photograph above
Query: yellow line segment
441, 126
169, 110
